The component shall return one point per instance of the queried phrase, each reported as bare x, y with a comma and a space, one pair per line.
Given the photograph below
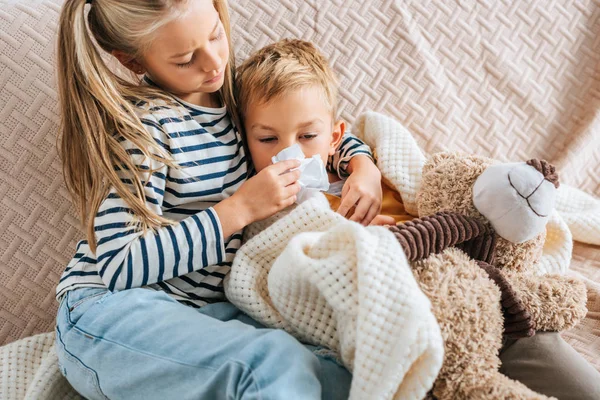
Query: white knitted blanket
29, 371
334, 283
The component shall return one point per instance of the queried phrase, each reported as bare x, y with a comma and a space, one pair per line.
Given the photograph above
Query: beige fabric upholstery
510, 80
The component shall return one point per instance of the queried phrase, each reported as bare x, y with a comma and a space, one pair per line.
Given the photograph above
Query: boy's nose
284, 143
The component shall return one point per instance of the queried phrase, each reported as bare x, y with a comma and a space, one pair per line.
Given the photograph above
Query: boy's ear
339, 128
129, 62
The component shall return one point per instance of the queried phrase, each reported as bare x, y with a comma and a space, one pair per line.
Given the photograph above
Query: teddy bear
473, 250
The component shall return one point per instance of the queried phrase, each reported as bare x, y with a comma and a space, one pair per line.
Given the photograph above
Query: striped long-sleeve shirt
190, 259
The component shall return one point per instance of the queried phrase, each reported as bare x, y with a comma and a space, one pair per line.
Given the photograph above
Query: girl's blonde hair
98, 105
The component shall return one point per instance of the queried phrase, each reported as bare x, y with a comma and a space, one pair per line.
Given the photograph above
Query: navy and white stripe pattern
350, 147
188, 260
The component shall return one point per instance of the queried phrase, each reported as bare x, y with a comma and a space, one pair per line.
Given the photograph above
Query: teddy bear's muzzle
517, 198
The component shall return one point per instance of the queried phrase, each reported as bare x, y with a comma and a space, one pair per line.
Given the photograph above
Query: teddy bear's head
515, 199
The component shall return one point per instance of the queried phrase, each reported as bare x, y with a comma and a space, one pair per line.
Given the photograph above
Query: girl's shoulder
158, 109
156, 115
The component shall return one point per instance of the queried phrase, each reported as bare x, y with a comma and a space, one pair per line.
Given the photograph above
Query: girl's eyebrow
191, 51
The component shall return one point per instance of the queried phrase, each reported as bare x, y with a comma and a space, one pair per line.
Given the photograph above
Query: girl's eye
267, 140
219, 36
187, 64
309, 136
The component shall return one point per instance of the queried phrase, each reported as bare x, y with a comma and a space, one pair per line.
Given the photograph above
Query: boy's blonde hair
278, 68
97, 105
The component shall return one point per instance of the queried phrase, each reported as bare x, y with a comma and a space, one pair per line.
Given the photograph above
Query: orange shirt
391, 204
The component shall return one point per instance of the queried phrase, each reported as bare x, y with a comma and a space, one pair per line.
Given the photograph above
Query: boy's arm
362, 188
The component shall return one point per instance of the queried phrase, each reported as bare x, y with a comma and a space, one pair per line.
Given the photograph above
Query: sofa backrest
510, 80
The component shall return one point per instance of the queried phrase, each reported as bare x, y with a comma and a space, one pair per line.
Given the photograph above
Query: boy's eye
267, 140
309, 136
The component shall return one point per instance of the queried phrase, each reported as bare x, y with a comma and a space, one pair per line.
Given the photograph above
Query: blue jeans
141, 344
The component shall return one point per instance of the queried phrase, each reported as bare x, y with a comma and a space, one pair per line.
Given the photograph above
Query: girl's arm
127, 257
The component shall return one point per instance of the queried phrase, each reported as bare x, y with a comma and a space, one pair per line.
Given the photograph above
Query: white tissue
313, 177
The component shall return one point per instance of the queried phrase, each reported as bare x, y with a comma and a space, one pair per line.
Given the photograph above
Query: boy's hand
383, 220
363, 190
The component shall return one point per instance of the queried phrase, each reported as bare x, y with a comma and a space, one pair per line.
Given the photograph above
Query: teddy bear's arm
555, 302
422, 237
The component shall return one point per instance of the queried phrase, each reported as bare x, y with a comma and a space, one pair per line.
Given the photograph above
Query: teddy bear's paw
555, 302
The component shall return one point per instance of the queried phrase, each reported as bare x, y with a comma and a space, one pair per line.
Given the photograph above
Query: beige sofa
510, 80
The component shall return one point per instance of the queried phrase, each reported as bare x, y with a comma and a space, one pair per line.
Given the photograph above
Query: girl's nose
210, 61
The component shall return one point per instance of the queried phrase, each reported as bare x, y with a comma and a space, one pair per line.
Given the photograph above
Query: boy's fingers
361, 210
382, 220
373, 211
348, 202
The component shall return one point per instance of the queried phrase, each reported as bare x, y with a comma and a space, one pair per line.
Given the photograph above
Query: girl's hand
363, 190
269, 191
266, 193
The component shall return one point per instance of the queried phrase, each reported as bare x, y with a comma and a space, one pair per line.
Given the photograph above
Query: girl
159, 172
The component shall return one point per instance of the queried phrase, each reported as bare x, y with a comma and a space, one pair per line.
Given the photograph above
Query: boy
287, 95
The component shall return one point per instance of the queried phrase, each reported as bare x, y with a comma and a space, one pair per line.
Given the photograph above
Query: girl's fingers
289, 178
291, 190
282, 167
290, 201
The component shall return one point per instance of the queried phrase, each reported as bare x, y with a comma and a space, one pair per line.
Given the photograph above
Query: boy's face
300, 116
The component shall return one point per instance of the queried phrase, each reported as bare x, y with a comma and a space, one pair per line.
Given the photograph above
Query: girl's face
189, 55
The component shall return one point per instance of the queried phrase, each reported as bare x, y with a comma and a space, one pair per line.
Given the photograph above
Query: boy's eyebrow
300, 126
310, 123
263, 127
190, 51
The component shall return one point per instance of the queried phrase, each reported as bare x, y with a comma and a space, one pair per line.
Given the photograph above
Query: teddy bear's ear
447, 183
